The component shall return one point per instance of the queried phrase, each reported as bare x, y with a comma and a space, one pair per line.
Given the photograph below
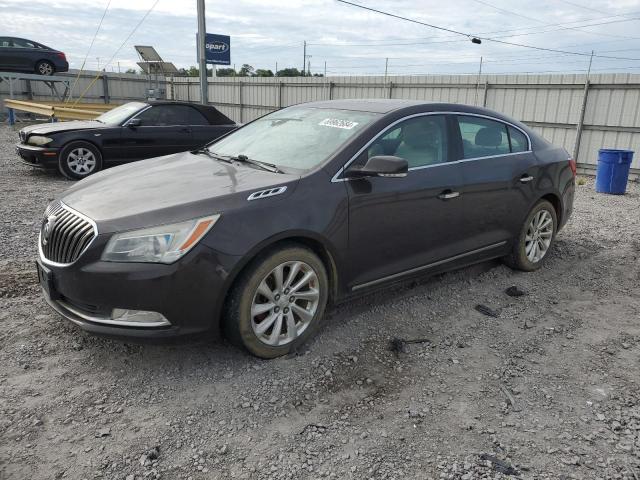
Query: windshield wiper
270, 167
210, 154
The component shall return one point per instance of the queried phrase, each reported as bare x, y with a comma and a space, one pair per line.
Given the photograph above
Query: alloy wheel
285, 303
538, 237
45, 69
81, 161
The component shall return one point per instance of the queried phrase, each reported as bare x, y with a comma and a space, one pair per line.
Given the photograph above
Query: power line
489, 39
576, 28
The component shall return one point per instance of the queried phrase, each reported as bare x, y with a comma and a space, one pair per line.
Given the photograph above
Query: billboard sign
217, 49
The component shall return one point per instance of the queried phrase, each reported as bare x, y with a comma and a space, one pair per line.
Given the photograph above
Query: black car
27, 56
307, 205
133, 131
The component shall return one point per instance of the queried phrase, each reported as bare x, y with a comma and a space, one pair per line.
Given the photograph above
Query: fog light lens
138, 318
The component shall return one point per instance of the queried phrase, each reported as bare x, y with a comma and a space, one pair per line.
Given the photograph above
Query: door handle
448, 195
525, 178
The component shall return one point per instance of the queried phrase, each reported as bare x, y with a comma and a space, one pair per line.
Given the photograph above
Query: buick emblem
47, 228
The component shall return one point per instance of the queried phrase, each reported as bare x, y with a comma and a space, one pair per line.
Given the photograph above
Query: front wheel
278, 302
535, 239
79, 160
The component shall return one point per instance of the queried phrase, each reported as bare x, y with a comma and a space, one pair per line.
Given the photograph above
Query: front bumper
189, 293
43, 157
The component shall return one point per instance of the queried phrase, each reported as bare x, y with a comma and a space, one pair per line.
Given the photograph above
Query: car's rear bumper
43, 157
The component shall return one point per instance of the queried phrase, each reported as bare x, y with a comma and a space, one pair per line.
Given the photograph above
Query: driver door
164, 129
400, 224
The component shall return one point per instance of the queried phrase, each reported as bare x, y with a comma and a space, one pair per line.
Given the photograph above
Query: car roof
211, 113
374, 105
385, 106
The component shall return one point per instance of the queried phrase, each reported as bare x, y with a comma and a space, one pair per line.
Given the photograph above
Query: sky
350, 40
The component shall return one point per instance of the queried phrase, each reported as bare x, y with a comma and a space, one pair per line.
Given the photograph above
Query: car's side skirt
398, 275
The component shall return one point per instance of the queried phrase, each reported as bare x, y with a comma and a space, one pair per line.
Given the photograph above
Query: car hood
169, 189
56, 127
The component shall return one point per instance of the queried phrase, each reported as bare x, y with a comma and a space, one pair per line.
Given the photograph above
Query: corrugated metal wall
120, 87
550, 104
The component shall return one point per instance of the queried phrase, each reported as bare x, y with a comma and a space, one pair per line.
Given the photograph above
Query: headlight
161, 244
38, 140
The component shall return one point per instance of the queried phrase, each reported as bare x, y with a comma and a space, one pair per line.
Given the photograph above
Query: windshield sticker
337, 123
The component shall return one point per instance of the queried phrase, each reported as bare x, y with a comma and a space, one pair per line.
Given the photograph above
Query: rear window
518, 140
482, 137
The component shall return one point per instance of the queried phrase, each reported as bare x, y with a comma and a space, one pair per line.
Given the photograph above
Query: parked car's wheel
278, 302
535, 239
44, 67
79, 160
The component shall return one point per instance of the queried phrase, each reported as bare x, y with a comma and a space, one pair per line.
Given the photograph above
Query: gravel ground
548, 389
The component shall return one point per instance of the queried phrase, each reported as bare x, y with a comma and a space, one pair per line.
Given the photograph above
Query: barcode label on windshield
337, 123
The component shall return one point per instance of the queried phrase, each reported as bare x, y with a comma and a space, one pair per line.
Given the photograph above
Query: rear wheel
79, 160
278, 302
536, 237
44, 67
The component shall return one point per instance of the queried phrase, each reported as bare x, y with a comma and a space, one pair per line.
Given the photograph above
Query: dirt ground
548, 389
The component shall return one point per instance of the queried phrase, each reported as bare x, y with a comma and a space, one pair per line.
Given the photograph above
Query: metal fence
600, 113
107, 88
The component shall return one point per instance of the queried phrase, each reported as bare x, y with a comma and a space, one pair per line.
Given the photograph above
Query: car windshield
121, 113
295, 137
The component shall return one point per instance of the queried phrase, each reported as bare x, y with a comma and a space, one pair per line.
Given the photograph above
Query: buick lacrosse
253, 235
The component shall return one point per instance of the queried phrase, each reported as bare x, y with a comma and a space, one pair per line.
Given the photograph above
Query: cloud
348, 39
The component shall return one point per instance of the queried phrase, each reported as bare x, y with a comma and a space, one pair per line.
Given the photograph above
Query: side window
193, 116
421, 141
149, 117
518, 141
5, 42
18, 42
482, 137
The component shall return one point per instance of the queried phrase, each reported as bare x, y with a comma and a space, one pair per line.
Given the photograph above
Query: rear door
164, 129
400, 224
8, 57
27, 54
499, 174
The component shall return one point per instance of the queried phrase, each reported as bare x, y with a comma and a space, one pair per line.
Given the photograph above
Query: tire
78, 160
45, 67
258, 332
527, 253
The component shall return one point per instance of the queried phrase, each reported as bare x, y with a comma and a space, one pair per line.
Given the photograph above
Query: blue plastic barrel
613, 170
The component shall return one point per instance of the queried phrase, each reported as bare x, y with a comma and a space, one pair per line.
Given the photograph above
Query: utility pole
276, 72
475, 101
576, 146
325, 69
202, 60
308, 68
304, 56
386, 68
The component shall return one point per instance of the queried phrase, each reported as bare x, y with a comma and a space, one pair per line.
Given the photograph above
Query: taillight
62, 56
572, 166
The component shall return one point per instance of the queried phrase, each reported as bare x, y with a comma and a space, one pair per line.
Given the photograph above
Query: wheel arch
53, 65
75, 140
554, 200
310, 240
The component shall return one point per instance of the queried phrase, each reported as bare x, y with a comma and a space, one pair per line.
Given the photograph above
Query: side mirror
380, 166
134, 122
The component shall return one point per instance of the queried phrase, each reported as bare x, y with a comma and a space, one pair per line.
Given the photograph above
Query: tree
261, 72
289, 72
246, 71
226, 72
131, 70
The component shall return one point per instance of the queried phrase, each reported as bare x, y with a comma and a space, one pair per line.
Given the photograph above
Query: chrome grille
64, 234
